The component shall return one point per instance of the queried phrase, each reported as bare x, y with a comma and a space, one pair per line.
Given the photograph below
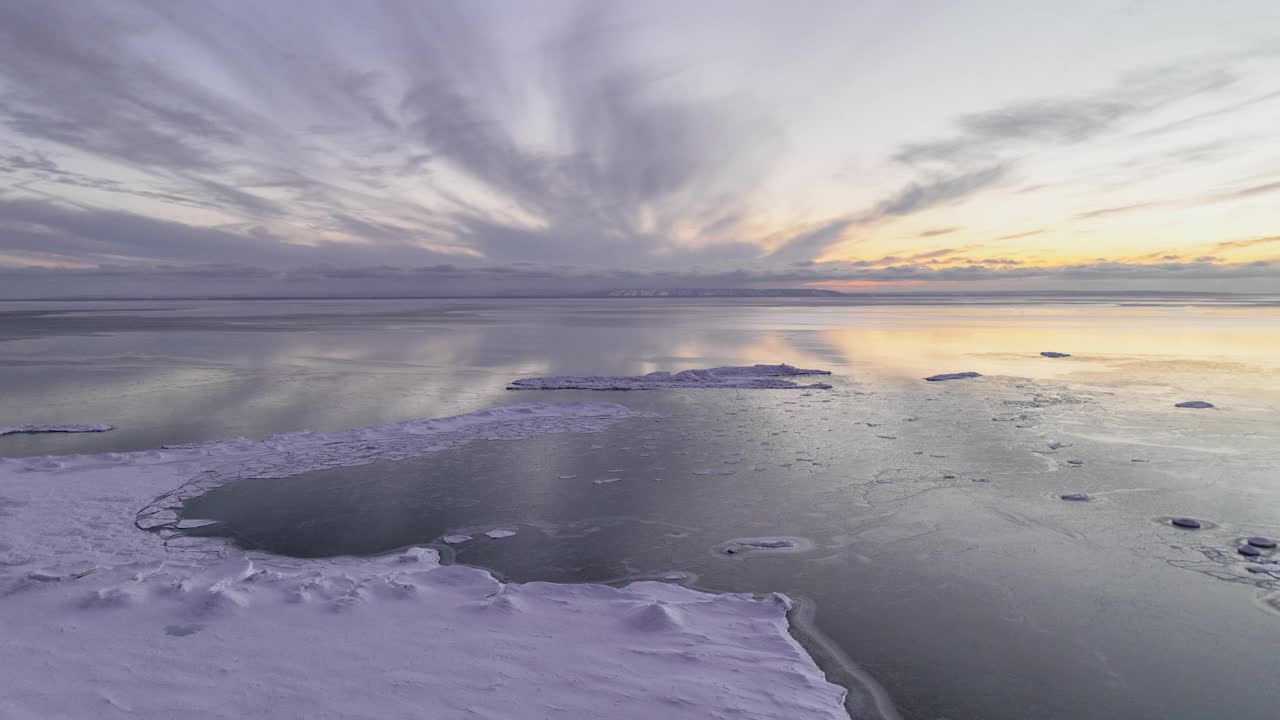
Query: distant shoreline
695, 294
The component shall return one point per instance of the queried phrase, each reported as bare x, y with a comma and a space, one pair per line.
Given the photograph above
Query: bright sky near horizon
180, 147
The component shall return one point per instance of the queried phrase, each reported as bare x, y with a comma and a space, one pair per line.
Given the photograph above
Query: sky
310, 148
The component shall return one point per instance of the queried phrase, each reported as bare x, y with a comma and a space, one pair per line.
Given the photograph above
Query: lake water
930, 540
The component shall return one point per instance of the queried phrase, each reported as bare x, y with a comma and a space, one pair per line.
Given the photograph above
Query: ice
952, 376
455, 539
376, 638
1184, 522
766, 545
56, 428
1262, 542
606, 481
743, 377
1197, 404
104, 620
1052, 354
1249, 551
1075, 497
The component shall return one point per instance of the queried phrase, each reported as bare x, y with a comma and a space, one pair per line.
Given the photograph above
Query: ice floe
103, 619
1186, 522
499, 533
952, 376
765, 545
455, 539
764, 377
56, 428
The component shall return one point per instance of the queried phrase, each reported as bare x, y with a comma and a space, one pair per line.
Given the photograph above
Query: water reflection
204, 371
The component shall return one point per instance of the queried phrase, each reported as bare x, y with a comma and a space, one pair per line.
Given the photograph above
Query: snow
756, 377
952, 376
103, 620
56, 428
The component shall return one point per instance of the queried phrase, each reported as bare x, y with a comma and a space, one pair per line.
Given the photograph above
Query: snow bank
56, 428
756, 377
103, 620
395, 637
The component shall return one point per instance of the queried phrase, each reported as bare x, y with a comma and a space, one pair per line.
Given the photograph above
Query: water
937, 552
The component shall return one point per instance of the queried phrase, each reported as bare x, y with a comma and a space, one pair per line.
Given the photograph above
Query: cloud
1247, 243
453, 279
1252, 191
1115, 210
938, 231
987, 136
346, 121
912, 198
74, 234
1020, 235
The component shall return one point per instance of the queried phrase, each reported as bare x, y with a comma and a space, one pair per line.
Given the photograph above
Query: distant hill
716, 292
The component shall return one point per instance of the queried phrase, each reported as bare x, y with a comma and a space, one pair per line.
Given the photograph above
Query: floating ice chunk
418, 555
1262, 542
1185, 522
500, 533
764, 377
568, 477
1199, 404
1248, 551
1052, 354
1259, 569
1075, 497
606, 481
56, 428
952, 376
770, 545
454, 539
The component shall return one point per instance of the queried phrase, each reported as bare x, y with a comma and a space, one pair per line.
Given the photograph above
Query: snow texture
952, 376
103, 620
56, 428
753, 377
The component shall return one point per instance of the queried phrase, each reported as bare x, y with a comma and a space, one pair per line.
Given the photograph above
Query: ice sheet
105, 620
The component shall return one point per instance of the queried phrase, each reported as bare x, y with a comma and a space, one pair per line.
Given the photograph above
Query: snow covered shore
101, 619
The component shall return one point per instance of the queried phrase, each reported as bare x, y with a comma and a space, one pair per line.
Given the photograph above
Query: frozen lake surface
921, 524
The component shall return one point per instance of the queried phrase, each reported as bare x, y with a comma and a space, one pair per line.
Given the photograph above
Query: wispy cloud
1246, 243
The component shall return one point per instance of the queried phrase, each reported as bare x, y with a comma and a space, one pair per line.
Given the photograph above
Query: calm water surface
931, 538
